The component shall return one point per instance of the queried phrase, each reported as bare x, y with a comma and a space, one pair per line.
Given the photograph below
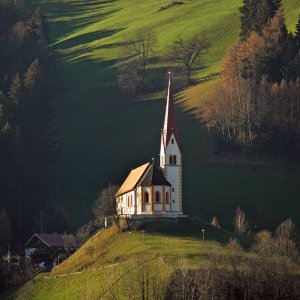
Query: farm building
49, 250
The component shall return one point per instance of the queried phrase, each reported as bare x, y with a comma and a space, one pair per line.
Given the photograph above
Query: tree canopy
27, 146
256, 15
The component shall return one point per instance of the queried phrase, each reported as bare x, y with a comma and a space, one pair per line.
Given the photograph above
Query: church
150, 191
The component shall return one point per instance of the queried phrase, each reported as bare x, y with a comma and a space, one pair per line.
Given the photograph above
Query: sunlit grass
104, 133
119, 255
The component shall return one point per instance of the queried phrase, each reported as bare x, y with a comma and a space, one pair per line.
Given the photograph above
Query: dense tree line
256, 15
264, 272
256, 106
27, 148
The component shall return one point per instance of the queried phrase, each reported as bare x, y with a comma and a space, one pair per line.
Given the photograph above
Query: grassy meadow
104, 133
106, 266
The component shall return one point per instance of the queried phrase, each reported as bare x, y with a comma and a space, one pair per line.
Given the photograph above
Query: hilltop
103, 132
166, 260
108, 263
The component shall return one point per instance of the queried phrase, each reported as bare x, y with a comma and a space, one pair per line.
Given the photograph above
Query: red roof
52, 239
170, 125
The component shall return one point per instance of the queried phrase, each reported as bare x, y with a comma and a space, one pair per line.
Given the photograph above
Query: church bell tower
170, 154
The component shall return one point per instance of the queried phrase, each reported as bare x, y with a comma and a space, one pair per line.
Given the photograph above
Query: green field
104, 133
116, 259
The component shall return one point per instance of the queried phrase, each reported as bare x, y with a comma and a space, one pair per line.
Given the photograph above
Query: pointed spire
170, 119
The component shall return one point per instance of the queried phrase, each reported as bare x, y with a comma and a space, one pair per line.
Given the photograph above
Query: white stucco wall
173, 173
124, 200
140, 208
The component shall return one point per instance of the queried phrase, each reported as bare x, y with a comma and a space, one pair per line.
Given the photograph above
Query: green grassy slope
117, 259
104, 134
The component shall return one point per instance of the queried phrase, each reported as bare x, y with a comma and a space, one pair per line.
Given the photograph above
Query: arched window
157, 197
170, 159
146, 197
127, 201
174, 160
167, 198
172, 141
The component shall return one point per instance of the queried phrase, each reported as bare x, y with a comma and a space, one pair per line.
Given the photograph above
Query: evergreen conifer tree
297, 34
256, 15
15, 91
27, 148
31, 77
15, 95
39, 25
5, 229
2, 112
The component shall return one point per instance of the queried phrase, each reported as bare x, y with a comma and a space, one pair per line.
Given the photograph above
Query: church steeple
170, 154
170, 126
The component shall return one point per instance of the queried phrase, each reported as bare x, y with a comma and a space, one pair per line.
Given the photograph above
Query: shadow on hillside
76, 49
68, 17
192, 228
75, 8
63, 28
87, 38
88, 78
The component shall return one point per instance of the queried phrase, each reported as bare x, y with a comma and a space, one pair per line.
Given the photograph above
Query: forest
253, 110
256, 107
27, 132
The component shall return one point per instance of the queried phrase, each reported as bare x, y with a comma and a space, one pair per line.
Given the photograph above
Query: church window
157, 197
146, 197
170, 159
174, 160
167, 198
172, 141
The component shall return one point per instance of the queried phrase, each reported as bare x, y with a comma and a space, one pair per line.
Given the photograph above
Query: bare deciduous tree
264, 243
281, 244
187, 52
105, 204
286, 229
215, 222
69, 242
285, 245
234, 245
240, 222
135, 53
85, 231
236, 276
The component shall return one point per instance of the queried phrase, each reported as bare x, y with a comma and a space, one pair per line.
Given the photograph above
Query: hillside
104, 133
107, 264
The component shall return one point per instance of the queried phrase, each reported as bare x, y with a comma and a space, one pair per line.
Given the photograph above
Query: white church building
156, 191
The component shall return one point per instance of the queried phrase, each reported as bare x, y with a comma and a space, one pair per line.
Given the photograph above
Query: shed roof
52, 239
